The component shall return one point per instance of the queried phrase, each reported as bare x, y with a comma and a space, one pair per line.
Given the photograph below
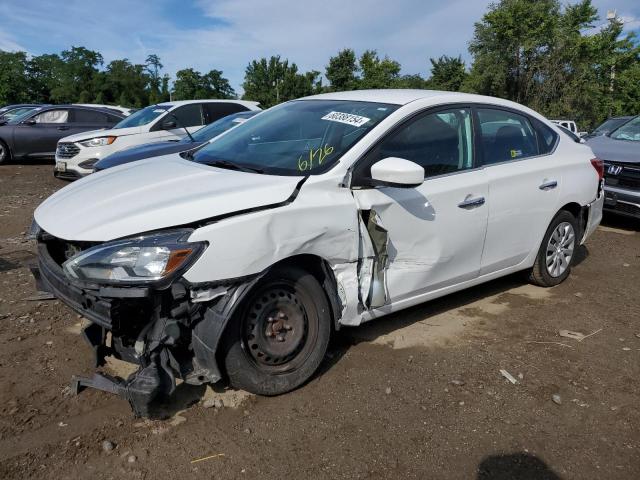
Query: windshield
609, 125
142, 117
303, 137
628, 131
219, 126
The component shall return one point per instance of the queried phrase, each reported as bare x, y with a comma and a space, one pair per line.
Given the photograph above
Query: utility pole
612, 17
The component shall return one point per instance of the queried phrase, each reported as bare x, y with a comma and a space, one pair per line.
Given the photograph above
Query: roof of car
177, 103
44, 108
405, 96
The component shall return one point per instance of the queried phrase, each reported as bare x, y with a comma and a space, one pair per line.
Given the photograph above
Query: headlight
145, 259
98, 142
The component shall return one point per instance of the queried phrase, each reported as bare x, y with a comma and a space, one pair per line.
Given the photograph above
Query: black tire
279, 334
5, 154
543, 273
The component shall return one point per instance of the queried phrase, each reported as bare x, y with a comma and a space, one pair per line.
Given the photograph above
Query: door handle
472, 202
548, 185
63, 128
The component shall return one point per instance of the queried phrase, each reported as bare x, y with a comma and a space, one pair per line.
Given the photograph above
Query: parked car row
237, 259
76, 155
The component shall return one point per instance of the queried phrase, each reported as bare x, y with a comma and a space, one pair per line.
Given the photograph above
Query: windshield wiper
233, 166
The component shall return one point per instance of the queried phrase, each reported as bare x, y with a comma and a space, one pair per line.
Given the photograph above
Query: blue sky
227, 34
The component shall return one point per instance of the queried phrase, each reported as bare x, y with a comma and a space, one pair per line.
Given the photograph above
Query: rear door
431, 236
40, 138
524, 183
83, 120
217, 110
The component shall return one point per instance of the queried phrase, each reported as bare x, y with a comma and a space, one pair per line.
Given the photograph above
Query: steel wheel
277, 333
560, 248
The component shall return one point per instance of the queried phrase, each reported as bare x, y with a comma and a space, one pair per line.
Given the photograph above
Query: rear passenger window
189, 115
88, 116
440, 142
217, 110
505, 136
547, 137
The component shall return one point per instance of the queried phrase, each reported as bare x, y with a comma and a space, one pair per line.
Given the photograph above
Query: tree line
559, 60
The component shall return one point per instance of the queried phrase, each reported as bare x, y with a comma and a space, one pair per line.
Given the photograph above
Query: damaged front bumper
170, 333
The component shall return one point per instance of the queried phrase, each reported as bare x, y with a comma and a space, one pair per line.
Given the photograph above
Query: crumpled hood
152, 194
607, 148
118, 132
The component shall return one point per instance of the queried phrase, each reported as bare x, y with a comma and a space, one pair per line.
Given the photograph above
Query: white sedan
238, 261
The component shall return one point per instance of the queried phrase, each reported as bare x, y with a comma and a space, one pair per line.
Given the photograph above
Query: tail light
599, 166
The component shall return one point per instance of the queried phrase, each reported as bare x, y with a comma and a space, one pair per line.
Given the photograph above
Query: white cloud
8, 43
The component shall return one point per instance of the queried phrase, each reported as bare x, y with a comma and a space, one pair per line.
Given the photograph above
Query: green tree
342, 71
447, 73
378, 73
165, 94
274, 80
123, 77
77, 73
217, 86
411, 81
43, 73
153, 65
13, 77
552, 59
191, 84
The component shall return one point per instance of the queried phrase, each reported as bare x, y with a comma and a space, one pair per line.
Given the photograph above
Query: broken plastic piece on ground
140, 389
573, 335
40, 296
577, 335
508, 376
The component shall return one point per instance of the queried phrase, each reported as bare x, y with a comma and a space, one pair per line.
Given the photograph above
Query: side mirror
397, 172
169, 125
29, 121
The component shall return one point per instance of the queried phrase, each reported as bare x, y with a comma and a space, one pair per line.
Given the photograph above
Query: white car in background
571, 126
239, 260
77, 154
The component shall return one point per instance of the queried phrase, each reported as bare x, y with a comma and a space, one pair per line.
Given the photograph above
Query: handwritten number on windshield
318, 155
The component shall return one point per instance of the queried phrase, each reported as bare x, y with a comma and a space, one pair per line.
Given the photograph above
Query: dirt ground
415, 395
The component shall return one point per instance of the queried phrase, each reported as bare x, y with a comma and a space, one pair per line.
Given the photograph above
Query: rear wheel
553, 263
5, 155
279, 335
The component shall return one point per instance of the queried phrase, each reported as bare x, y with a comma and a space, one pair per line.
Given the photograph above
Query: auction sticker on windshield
348, 118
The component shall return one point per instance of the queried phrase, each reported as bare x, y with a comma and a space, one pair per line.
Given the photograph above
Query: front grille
623, 175
61, 250
627, 208
67, 150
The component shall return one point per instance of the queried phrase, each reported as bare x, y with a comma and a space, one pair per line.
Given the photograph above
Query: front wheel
279, 335
553, 263
5, 155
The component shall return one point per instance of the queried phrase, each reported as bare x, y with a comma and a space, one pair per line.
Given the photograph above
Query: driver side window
440, 142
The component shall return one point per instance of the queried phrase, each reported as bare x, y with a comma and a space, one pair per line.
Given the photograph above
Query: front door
429, 237
39, 139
